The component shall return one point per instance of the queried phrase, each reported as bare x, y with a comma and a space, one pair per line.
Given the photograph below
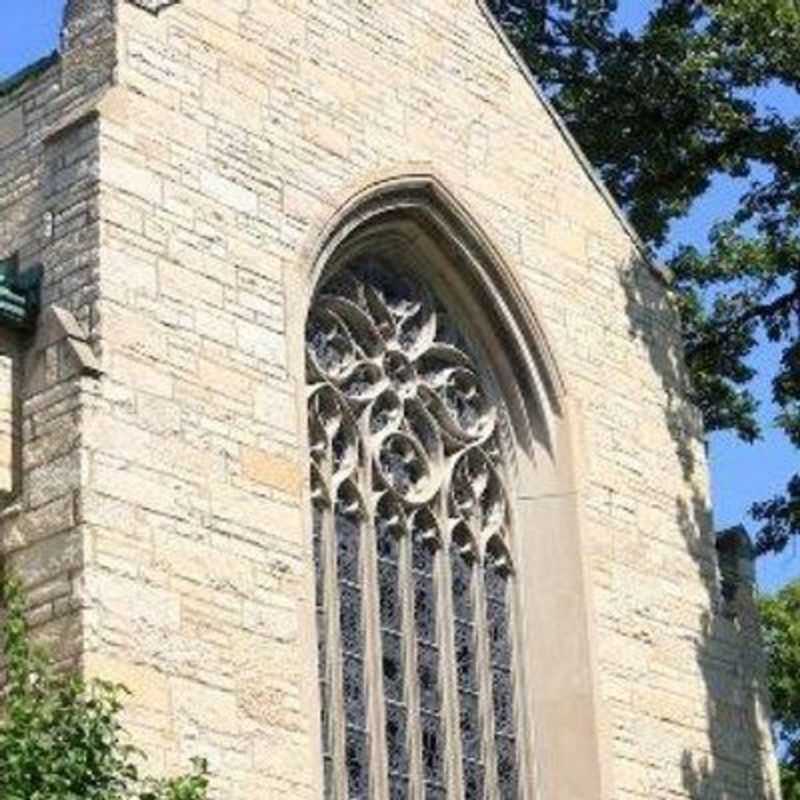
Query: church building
345, 420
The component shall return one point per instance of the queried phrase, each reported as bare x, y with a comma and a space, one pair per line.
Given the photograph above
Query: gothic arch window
410, 465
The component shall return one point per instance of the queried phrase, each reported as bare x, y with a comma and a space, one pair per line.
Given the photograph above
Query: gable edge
661, 274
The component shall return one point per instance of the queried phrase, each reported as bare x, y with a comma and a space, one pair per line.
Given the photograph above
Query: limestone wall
175, 485
48, 215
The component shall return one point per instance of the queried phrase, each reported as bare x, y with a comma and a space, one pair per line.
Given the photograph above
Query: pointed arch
427, 198
416, 220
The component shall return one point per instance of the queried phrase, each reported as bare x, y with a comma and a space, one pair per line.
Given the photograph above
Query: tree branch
759, 311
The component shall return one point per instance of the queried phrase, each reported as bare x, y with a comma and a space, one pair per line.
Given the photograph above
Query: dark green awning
20, 292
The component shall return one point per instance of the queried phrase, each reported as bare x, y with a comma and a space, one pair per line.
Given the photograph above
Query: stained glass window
500, 656
322, 633
407, 479
466, 664
428, 671
391, 617
351, 638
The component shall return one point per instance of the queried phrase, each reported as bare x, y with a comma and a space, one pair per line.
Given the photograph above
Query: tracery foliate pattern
406, 448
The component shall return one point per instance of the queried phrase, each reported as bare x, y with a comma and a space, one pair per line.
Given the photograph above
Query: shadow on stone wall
736, 760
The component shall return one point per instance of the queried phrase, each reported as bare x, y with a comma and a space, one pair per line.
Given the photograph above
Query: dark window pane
466, 667
396, 733
388, 545
428, 677
462, 585
467, 675
473, 781
350, 619
343, 446
507, 768
470, 727
356, 763
432, 747
503, 702
351, 642
499, 644
398, 787
353, 691
347, 544
427, 663
392, 655
496, 584
499, 622
389, 596
425, 608
393, 667
423, 556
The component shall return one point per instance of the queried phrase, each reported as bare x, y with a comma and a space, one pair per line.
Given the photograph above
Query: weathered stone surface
161, 521
7, 424
272, 470
12, 126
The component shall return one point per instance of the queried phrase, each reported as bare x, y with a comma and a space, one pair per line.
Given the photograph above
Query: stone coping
10, 85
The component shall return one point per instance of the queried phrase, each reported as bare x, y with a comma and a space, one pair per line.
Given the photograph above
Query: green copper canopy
19, 293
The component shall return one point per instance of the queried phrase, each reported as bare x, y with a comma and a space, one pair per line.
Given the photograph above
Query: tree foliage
61, 736
661, 112
780, 615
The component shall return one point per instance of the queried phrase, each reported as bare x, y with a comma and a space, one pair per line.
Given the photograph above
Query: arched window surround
415, 219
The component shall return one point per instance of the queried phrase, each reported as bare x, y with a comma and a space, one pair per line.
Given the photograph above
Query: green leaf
61, 737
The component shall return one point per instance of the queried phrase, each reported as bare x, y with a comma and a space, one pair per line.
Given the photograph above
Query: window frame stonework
452, 548
416, 218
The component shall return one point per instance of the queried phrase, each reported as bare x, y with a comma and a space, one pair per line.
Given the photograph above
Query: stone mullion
465, 692
373, 672
450, 714
336, 721
484, 669
416, 776
526, 769
327, 700
524, 788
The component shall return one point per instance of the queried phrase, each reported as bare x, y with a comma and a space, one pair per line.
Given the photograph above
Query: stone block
12, 126
178, 175
271, 469
131, 177
227, 192
148, 687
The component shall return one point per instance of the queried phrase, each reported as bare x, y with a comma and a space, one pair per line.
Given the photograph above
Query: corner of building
49, 242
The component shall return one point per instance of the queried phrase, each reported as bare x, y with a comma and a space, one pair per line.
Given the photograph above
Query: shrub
60, 735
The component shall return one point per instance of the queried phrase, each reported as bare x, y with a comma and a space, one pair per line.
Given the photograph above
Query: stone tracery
389, 374
404, 439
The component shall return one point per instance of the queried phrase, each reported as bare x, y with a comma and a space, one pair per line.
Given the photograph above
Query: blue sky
28, 30
740, 473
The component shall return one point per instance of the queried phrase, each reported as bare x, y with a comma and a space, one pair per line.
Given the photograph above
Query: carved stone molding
427, 197
408, 470
153, 6
60, 350
392, 374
